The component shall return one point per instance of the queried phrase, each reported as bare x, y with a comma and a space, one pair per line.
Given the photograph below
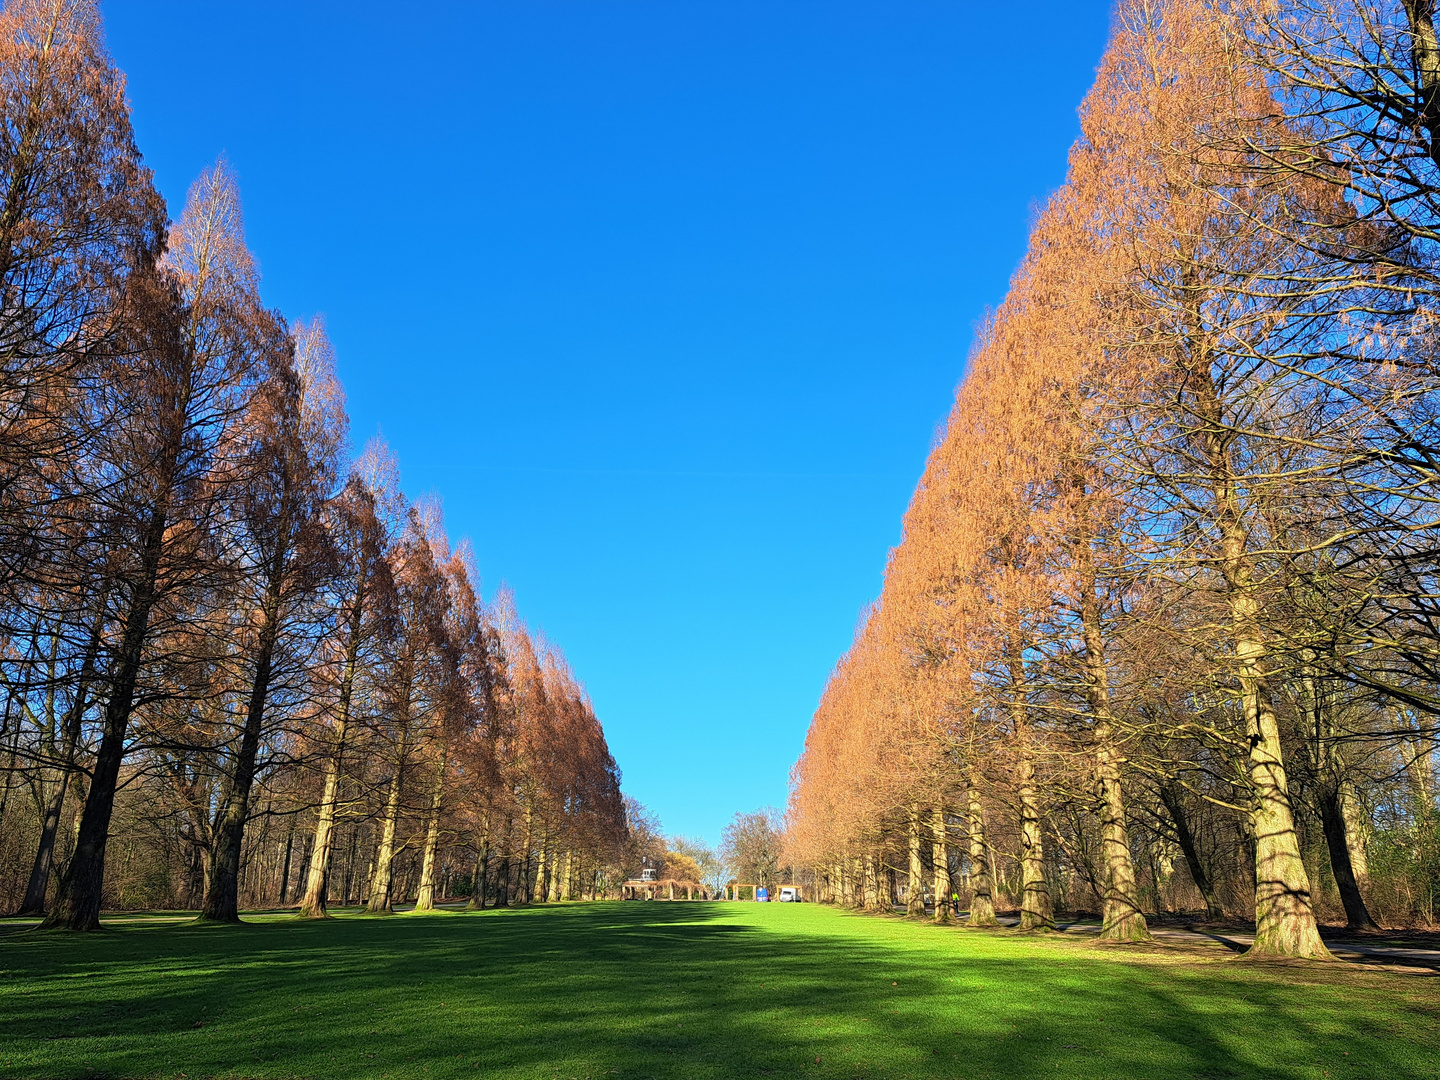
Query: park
915, 555
694, 990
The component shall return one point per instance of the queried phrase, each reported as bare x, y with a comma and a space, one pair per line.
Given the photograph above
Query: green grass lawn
694, 991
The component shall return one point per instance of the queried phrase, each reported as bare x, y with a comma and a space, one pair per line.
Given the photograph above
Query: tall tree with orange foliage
296, 429
414, 685
79, 219
361, 602
190, 368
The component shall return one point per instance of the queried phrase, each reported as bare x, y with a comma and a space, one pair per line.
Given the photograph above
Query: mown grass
693, 991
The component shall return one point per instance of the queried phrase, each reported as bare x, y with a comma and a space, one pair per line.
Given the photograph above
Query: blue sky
665, 299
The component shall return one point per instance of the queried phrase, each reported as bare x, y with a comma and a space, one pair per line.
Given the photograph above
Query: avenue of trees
1163, 630
237, 668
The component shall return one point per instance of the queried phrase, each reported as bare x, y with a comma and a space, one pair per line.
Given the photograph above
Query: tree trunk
382, 879
1037, 911
940, 857
39, 883
527, 879
502, 882
1332, 823
982, 902
313, 904
285, 863
872, 887
1036, 907
1121, 919
77, 905
552, 887
915, 883
317, 883
1284, 915
1171, 800
1355, 829
480, 892
425, 898
222, 901
541, 892
1420, 752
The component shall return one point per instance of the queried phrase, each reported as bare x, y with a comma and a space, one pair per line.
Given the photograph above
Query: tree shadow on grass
673, 990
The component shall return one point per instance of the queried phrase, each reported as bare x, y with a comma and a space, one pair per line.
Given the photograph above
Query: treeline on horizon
238, 669
1163, 629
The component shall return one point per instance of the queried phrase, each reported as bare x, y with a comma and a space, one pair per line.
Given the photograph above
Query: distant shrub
1404, 886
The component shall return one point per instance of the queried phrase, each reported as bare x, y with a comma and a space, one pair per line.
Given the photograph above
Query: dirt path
1238, 940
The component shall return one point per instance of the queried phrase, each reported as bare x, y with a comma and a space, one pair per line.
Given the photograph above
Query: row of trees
234, 668
1162, 629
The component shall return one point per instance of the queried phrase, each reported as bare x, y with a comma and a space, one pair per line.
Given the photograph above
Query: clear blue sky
665, 299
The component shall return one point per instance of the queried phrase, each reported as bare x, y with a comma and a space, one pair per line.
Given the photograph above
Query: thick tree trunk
39, 883
222, 899
872, 886
313, 904
317, 881
1037, 910
940, 859
915, 882
1284, 915
425, 898
982, 901
502, 882
552, 886
1355, 833
482, 872
382, 878
1121, 919
1420, 752
1171, 799
77, 905
1332, 822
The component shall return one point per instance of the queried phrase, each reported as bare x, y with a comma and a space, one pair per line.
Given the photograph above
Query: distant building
651, 886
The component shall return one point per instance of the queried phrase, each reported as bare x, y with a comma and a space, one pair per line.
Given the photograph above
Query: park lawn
684, 990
